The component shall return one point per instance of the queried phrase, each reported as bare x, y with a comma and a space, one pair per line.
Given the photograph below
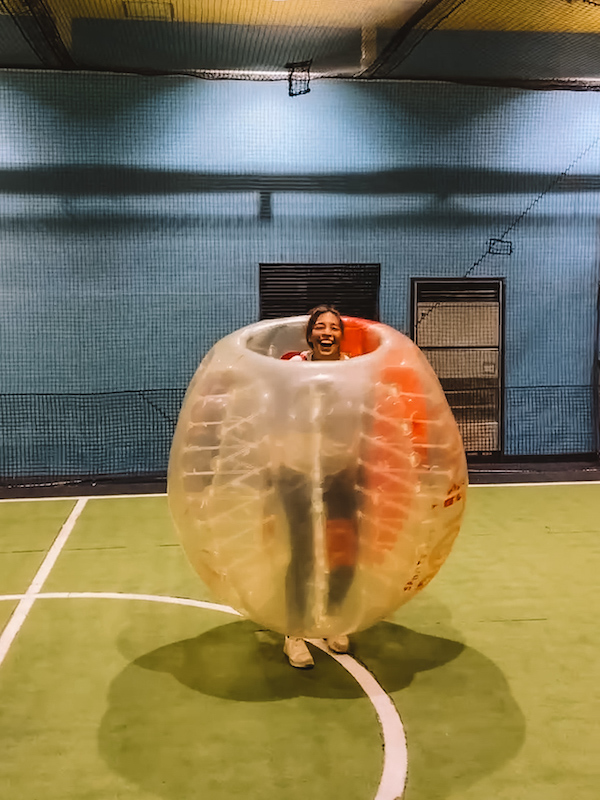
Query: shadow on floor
239, 661
185, 710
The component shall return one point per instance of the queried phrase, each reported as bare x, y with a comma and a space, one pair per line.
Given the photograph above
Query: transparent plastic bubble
316, 497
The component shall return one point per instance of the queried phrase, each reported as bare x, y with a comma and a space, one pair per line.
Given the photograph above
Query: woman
324, 333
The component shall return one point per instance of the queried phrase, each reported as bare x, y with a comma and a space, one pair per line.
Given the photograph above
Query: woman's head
324, 332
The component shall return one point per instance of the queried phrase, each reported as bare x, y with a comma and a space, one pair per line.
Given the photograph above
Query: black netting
72, 435
551, 42
136, 210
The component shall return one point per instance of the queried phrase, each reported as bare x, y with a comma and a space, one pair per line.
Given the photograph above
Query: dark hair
315, 313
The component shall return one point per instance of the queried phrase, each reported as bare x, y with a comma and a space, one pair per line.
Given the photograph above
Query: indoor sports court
121, 677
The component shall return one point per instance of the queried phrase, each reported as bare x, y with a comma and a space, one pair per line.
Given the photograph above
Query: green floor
492, 668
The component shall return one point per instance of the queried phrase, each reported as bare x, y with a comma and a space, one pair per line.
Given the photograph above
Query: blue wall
113, 281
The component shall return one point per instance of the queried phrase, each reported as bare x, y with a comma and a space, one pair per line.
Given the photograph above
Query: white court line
20, 613
532, 483
80, 497
395, 756
72, 498
152, 598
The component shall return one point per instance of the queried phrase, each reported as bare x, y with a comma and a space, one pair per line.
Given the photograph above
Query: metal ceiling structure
509, 42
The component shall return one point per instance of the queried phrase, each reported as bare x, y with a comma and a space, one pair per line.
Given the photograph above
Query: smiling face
326, 337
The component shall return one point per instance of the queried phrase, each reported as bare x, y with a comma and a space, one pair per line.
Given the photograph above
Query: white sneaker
339, 644
297, 652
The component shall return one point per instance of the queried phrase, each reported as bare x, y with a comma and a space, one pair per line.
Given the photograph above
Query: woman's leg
341, 527
296, 496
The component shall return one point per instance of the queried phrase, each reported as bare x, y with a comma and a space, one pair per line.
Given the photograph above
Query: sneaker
339, 644
297, 652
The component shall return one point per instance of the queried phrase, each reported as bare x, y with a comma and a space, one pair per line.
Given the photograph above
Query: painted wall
130, 238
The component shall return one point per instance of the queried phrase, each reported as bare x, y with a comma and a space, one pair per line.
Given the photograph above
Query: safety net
436, 167
499, 41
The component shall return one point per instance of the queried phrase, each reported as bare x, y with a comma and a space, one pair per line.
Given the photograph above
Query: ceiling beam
444, 182
38, 27
427, 17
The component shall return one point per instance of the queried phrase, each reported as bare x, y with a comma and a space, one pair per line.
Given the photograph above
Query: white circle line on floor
395, 756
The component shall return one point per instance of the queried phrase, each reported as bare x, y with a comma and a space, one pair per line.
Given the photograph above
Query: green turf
125, 545
511, 717
492, 668
6, 609
27, 530
134, 700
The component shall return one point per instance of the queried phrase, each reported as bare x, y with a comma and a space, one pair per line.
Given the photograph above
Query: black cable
551, 185
403, 34
48, 46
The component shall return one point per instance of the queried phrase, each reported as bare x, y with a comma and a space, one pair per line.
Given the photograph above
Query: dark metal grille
290, 289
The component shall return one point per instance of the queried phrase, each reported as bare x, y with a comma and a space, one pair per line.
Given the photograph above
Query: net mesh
477, 40
105, 433
136, 210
